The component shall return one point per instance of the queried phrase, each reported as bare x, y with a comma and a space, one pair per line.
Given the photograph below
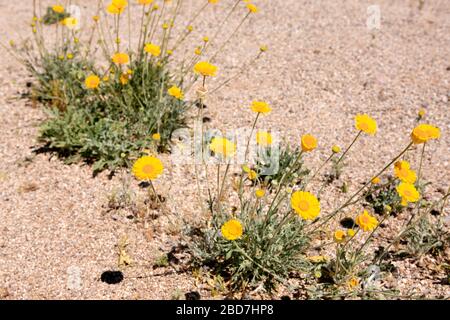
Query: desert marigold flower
169, 52
421, 113
96, 18
145, 2
165, 26
366, 222
190, 28
351, 232
252, 175
213, 1
424, 132
70, 22
252, 8
232, 230
153, 49
175, 92
92, 82
305, 204
335, 149
365, 123
147, 168
263, 138
58, 8
263, 48
375, 180
156, 136
259, 193
408, 193
223, 147
309, 143
120, 58
205, 39
70, 56
124, 78
260, 107
205, 69
339, 236
352, 283
117, 6
403, 172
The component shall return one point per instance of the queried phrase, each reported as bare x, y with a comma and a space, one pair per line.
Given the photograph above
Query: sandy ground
324, 66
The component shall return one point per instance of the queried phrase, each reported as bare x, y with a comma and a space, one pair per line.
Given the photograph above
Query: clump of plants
110, 96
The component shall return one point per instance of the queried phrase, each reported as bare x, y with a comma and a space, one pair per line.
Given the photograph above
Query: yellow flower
206, 69
252, 8
424, 132
375, 180
156, 136
147, 168
213, 1
305, 204
365, 123
145, 2
352, 283
120, 58
92, 82
176, 92
260, 107
263, 138
205, 39
153, 49
408, 193
336, 149
232, 230
169, 52
252, 175
117, 6
223, 147
58, 8
70, 56
260, 193
404, 173
339, 236
309, 143
96, 18
124, 78
70, 22
351, 232
263, 48
366, 222
190, 28
421, 113
198, 51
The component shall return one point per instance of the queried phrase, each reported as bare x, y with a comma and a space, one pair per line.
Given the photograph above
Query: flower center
365, 219
309, 141
147, 169
407, 193
303, 205
364, 126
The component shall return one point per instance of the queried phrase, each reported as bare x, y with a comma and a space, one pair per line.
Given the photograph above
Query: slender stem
348, 148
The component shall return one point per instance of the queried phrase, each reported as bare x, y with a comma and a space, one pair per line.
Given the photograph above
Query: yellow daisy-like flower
120, 58
260, 107
404, 173
117, 6
305, 204
424, 132
408, 193
92, 82
147, 168
421, 113
124, 78
263, 138
366, 222
339, 236
252, 175
352, 283
70, 22
58, 8
176, 92
365, 123
213, 1
375, 180
259, 193
309, 143
351, 232
252, 8
232, 230
335, 149
205, 69
156, 136
153, 49
223, 147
